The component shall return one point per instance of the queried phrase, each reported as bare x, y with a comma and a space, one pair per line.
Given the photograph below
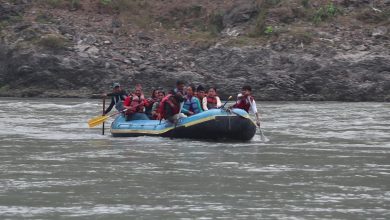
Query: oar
230, 97
262, 136
104, 108
99, 120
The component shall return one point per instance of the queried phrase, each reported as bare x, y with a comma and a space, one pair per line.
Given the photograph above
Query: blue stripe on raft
120, 125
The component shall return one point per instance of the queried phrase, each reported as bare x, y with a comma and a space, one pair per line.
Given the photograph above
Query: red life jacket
244, 104
135, 101
167, 100
211, 102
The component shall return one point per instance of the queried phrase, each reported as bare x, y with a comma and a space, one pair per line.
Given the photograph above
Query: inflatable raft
212, 124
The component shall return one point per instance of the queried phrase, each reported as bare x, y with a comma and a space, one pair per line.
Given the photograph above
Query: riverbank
57, 51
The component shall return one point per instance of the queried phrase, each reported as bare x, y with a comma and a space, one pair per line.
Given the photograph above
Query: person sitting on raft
246, 101
169, 107
191, 104
211, 101
149, 103
200, 94
160, 96
135, 105
118, 95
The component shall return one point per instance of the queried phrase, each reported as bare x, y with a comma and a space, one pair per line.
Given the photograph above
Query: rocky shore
71, 53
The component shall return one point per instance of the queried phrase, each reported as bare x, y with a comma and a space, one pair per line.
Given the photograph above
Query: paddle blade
262, 136
97, 120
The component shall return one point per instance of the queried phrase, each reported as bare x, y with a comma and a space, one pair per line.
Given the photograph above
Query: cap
115, 85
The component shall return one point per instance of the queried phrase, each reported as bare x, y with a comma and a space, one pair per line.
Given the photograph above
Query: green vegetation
53, 42
301, 35
244, 41
52, 3
325, 12
259, 26
43, 17
194, 17
305, 3
269, 3
132, 6
138, 12
75, 4
215, 23
269, 30
105, 2
4, 88
202, 21
11, 20
2, 26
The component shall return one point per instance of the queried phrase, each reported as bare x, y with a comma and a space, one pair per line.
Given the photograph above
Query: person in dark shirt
180, 88
118, 95
200, 94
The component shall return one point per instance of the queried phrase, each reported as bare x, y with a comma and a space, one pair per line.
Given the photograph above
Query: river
323, 160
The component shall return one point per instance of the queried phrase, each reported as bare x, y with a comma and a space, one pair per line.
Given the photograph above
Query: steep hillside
285, 49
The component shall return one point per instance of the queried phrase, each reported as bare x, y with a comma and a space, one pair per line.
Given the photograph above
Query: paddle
262, 136
101, 119
230, 97
104, 108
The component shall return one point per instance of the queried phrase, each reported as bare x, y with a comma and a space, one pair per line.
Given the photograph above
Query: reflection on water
323, 160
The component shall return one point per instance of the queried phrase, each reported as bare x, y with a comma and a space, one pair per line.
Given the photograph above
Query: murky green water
323, 161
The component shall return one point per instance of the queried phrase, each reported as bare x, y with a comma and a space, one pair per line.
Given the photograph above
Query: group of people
180, 102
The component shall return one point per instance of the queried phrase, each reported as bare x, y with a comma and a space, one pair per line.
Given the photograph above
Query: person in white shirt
211, 100
246, 101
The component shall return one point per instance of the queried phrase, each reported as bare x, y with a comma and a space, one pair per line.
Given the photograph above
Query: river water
323, 160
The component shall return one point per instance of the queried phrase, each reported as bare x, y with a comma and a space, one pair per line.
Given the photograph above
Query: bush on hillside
53, 42
325, 12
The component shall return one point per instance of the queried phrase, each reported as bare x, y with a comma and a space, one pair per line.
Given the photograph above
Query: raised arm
204, 104
219, 103
110, 106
